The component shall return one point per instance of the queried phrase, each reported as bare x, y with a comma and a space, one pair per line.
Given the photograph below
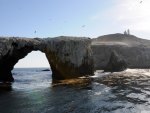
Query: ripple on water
121, 92
131, 88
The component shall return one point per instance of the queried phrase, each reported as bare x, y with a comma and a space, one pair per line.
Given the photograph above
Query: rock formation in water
135, 51
69, 57
116, 63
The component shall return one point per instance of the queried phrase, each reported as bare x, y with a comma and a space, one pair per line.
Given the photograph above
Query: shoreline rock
69, 57
72, 57
116, 63
46, 70
135, 51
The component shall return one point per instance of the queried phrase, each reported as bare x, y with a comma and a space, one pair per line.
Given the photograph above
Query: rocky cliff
69, 57
135, 51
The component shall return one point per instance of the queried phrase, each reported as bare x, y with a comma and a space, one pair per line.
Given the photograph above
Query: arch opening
32, 71
34, 59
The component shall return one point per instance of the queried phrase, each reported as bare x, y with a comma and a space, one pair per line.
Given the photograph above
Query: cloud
132, 14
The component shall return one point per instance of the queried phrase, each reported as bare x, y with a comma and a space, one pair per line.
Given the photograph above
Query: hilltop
120, 39
133, 50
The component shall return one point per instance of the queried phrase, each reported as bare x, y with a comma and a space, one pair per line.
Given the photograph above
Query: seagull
83, 25
35, 31
141, 2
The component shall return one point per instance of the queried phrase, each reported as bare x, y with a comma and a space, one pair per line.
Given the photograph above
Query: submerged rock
116, 63
46, 70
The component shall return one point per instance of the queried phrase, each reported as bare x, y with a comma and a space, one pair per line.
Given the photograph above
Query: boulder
116, 63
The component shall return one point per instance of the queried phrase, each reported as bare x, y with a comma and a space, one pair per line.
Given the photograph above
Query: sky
90, 18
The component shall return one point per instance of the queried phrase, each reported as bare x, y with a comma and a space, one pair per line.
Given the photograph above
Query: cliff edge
134, 50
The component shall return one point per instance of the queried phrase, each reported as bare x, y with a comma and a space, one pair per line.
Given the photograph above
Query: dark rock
68, 57
116, 63
135, 51
46, 70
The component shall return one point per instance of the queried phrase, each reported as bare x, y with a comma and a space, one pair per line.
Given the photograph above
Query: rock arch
69, 57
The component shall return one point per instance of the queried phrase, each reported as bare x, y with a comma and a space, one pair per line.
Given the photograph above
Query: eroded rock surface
135, 51
69, 57
72, 57
116, 63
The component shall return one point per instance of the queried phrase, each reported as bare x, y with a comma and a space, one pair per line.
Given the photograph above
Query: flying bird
35, 31
141, 2
83, 25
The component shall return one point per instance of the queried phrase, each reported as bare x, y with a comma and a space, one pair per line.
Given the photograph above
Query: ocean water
34, 92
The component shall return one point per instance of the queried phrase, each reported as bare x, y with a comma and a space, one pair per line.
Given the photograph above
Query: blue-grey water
33, 92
